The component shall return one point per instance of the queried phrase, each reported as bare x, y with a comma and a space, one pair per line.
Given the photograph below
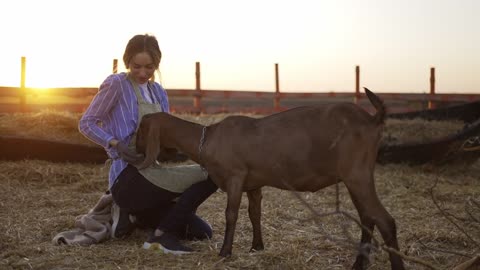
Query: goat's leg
234, 197
371, 209
255, 214
388, 229
367, 231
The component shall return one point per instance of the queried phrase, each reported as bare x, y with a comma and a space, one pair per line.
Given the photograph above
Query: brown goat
302, 149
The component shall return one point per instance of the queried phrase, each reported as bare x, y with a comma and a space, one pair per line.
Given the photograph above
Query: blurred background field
63, 126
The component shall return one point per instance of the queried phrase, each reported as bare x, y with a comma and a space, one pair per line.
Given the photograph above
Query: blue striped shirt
113, 114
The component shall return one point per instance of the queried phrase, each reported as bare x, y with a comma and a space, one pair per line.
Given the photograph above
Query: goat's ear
152, 144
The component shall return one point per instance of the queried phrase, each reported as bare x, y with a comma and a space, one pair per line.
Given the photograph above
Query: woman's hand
126, 153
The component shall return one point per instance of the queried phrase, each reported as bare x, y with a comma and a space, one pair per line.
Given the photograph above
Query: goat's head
148, 139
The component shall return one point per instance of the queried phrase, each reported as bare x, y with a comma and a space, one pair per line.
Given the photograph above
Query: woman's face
141, 67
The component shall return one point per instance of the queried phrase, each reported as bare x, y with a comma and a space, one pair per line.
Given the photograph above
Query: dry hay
40, 199
47, 124
418, 130
63, 126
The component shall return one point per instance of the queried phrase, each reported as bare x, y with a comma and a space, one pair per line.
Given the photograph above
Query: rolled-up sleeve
90, 124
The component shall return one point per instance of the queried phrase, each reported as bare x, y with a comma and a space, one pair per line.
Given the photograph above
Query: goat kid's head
148, 140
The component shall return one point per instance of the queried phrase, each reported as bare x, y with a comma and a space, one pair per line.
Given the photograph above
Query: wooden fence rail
198, 100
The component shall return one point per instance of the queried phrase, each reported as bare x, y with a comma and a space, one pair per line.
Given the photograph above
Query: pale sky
316, 43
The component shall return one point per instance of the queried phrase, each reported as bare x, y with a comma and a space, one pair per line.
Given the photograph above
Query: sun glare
316, 43
41, 90
43, 72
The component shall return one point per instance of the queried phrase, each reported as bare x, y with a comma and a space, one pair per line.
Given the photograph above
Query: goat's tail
378, 104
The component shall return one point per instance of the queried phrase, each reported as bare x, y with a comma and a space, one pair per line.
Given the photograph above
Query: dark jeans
154, 207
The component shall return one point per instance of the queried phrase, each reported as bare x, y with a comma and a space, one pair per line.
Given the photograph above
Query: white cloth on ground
91, 228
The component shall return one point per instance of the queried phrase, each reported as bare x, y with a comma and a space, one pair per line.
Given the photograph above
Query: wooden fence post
357, 85
198, 92
115, 66
23, 91
276, 99
431, 104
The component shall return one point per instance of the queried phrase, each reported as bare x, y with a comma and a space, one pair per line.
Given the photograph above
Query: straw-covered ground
39, 199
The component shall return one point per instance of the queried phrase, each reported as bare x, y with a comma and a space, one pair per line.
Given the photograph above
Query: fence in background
198, 100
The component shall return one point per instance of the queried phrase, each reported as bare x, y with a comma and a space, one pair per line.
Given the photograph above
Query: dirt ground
437, 224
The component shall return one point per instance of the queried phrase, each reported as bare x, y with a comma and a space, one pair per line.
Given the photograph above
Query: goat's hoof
358, 265
257, 248
225, 254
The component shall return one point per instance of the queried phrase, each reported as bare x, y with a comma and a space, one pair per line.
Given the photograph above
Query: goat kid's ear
151, 141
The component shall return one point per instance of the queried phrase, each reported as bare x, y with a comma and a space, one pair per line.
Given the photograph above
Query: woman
111, 120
